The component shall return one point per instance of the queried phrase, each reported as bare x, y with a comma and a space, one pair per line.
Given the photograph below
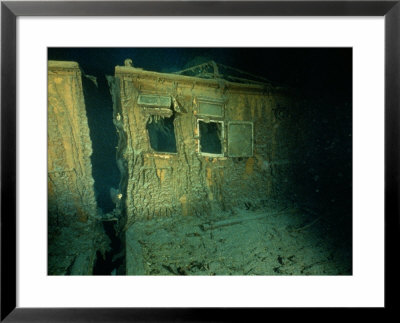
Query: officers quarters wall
191, 146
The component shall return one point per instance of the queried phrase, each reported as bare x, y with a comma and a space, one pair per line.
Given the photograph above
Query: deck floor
282, 241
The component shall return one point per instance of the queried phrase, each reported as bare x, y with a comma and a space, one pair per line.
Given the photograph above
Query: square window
240, 139
211, 135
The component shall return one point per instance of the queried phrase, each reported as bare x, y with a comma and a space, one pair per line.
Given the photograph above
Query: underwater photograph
199, 161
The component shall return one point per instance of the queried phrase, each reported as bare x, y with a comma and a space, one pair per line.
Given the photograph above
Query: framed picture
273, 111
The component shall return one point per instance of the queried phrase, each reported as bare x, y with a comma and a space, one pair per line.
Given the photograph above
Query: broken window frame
156, 152
222, 139
155, 108
252, 138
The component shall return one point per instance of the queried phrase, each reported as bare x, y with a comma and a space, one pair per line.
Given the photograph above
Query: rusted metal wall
74, 233
188, 183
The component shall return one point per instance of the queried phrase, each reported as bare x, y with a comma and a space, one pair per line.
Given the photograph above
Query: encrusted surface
268, 241
74, 234
188, 183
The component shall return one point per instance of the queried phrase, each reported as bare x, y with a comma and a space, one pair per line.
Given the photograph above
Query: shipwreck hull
74, 231
192, 180
228, 150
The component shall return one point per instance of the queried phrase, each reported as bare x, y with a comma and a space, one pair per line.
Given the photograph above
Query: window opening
162, 134
211, 137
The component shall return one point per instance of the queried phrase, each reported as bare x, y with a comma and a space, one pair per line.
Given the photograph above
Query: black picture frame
10, 10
